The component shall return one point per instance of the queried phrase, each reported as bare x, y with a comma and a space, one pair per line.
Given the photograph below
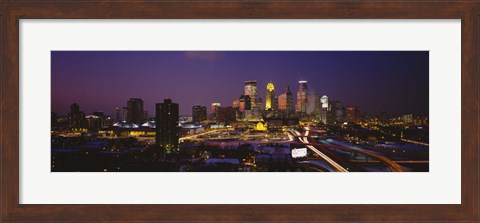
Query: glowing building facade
285, 102
251, 90
270, 97
302, 97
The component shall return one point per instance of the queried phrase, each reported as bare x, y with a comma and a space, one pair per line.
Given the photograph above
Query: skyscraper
251, 90
302, 97
270, 97
167, 130
226, 115
117, 114
76, 117
352, 114
135, 111
245, 103
289, 96
214, 107
325, 109
285, 102
199, 113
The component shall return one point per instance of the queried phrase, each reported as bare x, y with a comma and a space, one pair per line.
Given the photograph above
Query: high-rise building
167, 130
214, 107
352, 114
290, 108
324, 101
251, 90
135, 111
117, 114
302, 97
324, 110
285, 102
226, 115
270, 97
123, 114
199, 113
245, 103
76, 117
318, 107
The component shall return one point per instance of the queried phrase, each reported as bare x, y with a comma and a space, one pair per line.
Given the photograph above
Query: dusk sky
375, 81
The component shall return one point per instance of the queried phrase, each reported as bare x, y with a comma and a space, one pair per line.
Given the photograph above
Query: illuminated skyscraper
251, 90
167, 130
324, 101
199, 113
214, 107
270, 97
135, 111
325, 109
302, 97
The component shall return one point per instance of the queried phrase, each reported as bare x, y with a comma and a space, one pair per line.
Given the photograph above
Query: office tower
226, 115
285, 102
245, 103
214, 107
275, 103
318, 107
270, 97
76, 117
117, 114
311, 102
289, 111
324, 101
199, 113
94, 122
302, 97
251, 90
135, 111
325, 108
352, 114
167, 130
282, 102
333, 110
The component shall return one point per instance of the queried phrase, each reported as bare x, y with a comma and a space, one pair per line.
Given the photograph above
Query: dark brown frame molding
12, 11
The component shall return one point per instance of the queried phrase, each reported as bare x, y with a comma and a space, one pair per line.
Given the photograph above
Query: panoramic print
239, 111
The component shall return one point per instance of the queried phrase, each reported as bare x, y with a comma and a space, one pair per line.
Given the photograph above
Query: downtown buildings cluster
248, 111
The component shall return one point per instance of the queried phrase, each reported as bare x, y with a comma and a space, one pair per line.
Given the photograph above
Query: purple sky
375, 81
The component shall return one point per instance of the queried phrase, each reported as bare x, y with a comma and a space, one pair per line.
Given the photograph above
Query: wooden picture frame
12, 11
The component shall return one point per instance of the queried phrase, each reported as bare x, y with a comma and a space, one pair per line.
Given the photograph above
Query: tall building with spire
270, 97
302, 94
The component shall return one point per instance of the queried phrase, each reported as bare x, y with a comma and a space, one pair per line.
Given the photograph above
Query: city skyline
109, 77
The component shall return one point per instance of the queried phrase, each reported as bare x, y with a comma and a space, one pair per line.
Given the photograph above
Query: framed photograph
239, 111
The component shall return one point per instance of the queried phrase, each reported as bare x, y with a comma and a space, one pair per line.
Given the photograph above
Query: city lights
269, 123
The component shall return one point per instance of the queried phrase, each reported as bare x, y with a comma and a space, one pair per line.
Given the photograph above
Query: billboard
299, 152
